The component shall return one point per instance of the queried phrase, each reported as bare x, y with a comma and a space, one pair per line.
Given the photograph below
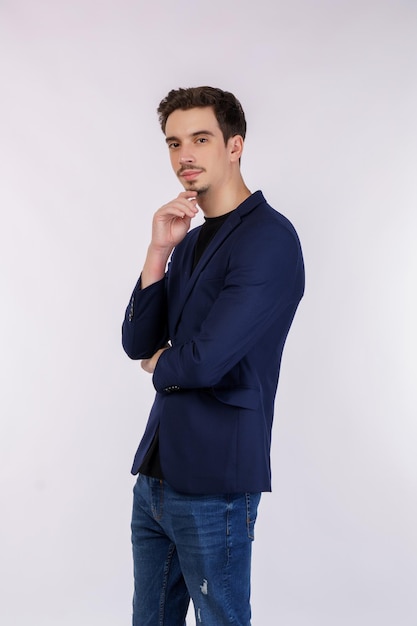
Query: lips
190, 174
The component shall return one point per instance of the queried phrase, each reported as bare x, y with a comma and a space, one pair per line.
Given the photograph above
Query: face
199, 156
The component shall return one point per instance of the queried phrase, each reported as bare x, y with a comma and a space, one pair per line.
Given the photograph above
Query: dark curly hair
227, 108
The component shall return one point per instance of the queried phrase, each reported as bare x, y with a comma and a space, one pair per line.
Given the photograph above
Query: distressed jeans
187, 546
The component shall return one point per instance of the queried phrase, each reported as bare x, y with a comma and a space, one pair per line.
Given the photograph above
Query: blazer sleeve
263, 286
145, 326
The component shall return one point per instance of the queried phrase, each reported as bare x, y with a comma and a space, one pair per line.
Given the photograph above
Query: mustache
187, 168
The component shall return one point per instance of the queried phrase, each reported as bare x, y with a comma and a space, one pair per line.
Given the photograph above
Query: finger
187, 203
178, 208
189, 207
170, 212
188, 195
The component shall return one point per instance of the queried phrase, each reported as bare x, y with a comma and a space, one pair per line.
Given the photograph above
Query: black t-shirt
151, 465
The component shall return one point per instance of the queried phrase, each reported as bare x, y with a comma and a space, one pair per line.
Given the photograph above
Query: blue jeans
187, 546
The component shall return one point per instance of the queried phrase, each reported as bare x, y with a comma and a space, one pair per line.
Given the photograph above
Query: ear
235, 145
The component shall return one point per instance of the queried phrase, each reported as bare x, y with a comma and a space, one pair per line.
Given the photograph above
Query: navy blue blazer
227, 322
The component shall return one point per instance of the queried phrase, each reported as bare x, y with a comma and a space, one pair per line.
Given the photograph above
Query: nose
186, 157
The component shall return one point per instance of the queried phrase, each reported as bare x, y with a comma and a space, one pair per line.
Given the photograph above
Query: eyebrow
198, 132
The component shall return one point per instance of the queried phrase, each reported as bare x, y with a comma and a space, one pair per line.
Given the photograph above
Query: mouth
189, 174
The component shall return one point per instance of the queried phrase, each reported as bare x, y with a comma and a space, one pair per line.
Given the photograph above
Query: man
211, 330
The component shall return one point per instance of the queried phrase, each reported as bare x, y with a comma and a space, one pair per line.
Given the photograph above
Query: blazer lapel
222, 234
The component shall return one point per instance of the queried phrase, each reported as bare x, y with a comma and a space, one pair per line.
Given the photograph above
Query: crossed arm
149, 364
262, 287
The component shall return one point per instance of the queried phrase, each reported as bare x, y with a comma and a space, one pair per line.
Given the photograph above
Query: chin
201, 190
193, 186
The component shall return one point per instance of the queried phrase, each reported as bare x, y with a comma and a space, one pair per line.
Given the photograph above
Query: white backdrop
329, 89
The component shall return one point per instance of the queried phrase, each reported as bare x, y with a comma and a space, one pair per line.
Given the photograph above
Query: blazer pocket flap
244, 397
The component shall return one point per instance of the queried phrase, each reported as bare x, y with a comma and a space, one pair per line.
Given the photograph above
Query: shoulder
262, 225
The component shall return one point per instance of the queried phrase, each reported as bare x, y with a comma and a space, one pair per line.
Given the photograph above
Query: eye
202, 140
172, 145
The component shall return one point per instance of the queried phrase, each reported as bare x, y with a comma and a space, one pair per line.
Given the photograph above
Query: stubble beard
200, 191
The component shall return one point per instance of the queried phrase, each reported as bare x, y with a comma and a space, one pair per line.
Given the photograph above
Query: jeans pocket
252, 502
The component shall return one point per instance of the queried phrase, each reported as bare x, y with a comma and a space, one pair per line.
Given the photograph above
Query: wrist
159, 253
155, 265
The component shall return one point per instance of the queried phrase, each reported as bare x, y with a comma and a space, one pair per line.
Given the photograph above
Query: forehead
184, 123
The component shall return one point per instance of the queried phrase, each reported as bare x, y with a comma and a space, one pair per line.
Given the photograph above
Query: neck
218, 202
